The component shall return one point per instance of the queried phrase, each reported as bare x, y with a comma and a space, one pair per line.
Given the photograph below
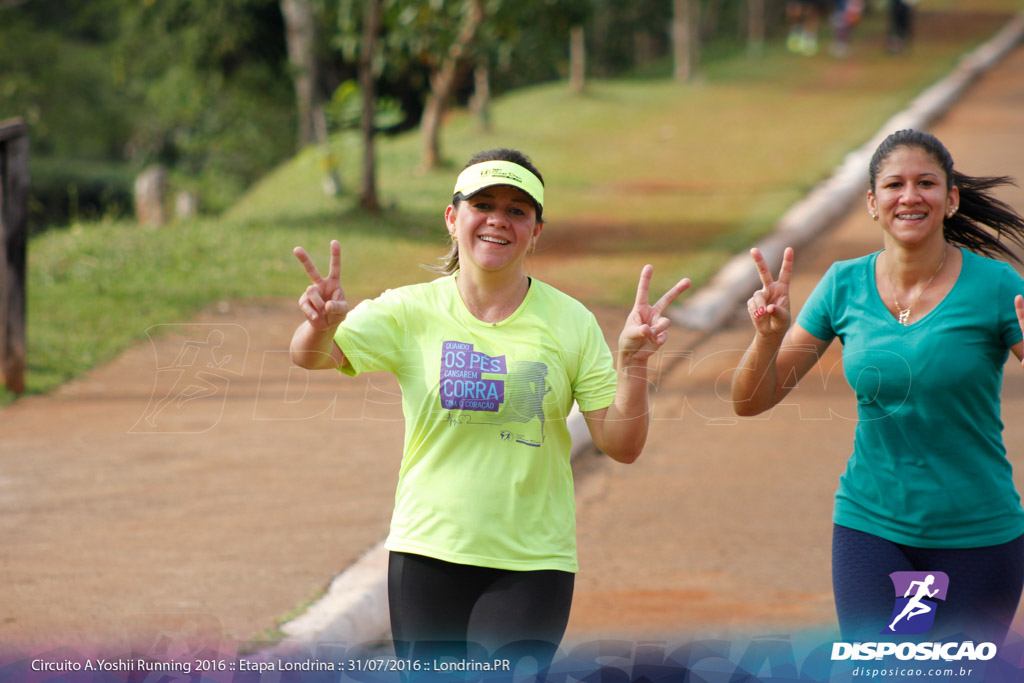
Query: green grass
638, 171
95, 289
646, 170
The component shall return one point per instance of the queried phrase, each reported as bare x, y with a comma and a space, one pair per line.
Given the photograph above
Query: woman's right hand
323, 302
769, 306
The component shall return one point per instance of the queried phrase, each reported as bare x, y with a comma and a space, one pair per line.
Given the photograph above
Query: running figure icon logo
916, 595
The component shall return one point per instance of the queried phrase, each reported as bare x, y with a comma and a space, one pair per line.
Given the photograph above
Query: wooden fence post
13, 250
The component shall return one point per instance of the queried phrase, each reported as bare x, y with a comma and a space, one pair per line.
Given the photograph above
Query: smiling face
910, 197
495, 228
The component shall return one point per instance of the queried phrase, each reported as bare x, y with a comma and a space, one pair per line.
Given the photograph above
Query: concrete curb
355, 607
353, 610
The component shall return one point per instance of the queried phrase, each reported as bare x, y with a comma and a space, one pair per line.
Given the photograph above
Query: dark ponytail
981, 222
980, 214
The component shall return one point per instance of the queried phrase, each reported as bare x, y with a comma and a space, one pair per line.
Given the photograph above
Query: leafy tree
529, 42
108, 86
431, 38
55, 73
448, 67
210, 83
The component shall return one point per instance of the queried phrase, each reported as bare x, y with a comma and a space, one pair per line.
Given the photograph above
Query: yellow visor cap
490, 173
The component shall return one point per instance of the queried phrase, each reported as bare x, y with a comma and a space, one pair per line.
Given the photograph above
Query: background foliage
204, 88
641, 169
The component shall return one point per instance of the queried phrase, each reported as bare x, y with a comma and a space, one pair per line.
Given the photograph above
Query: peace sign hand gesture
769, 307
645, 329
323, 302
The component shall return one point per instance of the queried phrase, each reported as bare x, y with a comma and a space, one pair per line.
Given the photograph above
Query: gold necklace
904, 313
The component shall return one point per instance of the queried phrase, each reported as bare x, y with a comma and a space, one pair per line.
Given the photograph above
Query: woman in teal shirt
926, 327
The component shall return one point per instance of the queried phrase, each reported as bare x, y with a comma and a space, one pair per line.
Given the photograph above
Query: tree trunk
444, 80
601, 29
481, 101
685, 38
331, 182
368, 84
644, 47
14, 182
577, 59
755, 30
300, 35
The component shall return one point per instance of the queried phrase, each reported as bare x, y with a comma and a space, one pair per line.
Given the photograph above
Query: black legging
440, 607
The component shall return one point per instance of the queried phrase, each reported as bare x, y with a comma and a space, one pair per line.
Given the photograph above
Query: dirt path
201, 487
228, 510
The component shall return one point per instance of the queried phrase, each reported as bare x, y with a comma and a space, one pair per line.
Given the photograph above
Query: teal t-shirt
928, 468
485, 477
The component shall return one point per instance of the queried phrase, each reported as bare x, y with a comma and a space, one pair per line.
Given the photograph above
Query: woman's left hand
646, 329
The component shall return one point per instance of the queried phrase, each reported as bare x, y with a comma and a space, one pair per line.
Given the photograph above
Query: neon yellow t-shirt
485, 477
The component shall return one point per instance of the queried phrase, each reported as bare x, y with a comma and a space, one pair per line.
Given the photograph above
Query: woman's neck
492, 297
909, 266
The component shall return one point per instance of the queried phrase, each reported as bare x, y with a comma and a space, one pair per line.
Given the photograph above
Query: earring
874, 216
951, 212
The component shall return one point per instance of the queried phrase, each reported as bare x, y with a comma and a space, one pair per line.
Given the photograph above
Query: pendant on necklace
904, 316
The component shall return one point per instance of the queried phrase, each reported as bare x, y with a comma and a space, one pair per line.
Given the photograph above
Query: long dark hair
449, 263
979, 214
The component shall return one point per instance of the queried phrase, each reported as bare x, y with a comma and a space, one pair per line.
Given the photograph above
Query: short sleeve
372, 336
595, 383
818, 314
1010, 285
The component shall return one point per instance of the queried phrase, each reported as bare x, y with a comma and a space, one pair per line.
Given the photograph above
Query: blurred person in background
804, 17
845, 15
900, 25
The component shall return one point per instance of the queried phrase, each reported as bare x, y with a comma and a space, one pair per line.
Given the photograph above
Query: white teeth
910, 216
495, 240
